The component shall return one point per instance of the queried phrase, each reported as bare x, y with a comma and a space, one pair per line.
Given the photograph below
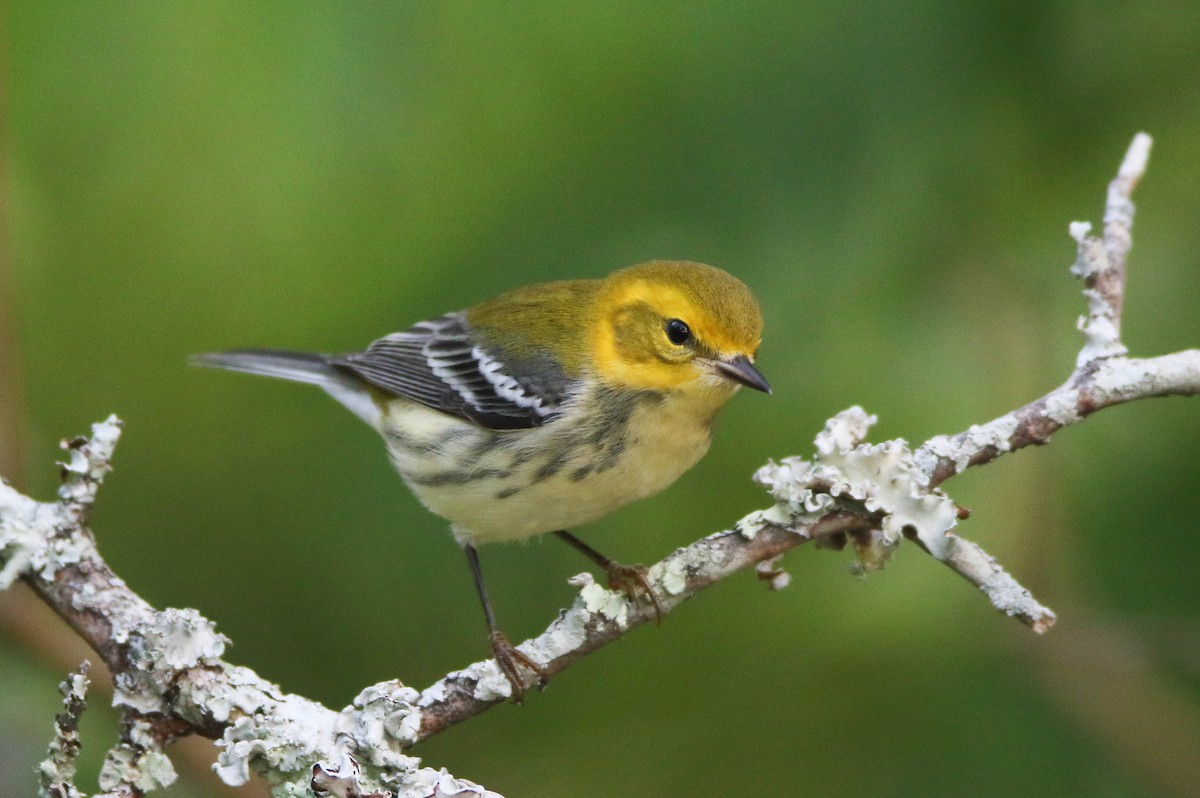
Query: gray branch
171, 680
57, 771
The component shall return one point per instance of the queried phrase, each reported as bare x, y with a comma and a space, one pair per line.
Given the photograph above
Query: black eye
678, 332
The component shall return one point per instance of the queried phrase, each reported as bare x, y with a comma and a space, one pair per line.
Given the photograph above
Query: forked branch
171, 680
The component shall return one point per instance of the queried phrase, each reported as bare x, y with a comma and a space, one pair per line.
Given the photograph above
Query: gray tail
294, 366
300, 367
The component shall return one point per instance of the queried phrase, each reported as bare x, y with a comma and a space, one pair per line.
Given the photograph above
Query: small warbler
549, 406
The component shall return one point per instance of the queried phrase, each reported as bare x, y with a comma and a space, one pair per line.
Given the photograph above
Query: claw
634, 582
510, 660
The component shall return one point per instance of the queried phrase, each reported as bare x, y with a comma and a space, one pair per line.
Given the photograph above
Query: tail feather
305, 367
294, 366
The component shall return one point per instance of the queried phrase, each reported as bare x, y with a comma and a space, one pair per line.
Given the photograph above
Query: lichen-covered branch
1103, 375
56, 773
1093, 386
877, 495
171, 680
599, 616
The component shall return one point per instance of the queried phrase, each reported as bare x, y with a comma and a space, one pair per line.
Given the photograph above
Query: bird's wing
441, 364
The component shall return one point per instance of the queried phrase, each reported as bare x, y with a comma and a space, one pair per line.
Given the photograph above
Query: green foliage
894, 183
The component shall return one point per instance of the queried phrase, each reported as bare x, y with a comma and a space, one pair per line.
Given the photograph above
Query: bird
547, 407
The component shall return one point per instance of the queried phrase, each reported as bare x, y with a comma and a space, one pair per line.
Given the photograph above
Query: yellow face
666, 325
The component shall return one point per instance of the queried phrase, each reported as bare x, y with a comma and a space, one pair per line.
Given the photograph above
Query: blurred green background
894, 182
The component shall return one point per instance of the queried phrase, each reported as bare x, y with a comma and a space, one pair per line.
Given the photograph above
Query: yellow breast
508, 485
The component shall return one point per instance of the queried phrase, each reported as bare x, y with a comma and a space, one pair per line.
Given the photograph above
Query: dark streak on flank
612, 456
553, 465
459, 477
522, 457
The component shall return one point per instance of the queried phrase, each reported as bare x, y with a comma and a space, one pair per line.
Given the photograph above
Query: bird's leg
632, 580
509, 659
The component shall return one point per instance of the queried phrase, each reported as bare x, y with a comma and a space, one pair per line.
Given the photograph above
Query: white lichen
139, 763
383, 719
1079, 231
564, 636
57, 771
286, 737
430, 783
26, 547
491, 684
173, 666
931, 453
1120, 376
593, 606
339, 779
597, 600
1133, 165
671, 574
25, 543
1101, 325
1004, 592
844, 431
882, 478
997, 433
170, 641
1010, 597
89, 461
298, 745
789, 483
959, 449
1062, 406
241, 691
21, 542
434, 694
1102, 337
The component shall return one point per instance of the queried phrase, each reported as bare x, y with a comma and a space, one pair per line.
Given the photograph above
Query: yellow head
669, 325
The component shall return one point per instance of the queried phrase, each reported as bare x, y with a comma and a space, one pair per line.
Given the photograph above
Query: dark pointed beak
741, 370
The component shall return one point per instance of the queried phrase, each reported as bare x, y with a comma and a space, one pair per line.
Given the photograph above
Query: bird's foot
634, 582
510, 660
